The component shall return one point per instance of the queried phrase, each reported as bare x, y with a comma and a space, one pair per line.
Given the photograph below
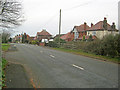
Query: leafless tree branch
10, 13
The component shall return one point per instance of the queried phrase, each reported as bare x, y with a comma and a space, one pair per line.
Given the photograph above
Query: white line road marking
41, 51
52, 56
77, 67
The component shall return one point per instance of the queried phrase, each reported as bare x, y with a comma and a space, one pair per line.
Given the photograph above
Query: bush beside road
106, 49
5, 48
80, 52
4, 63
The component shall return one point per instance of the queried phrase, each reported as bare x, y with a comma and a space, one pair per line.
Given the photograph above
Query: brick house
31, 39
67, 37
80, 31
101, 29
77, 33
18, 38
28, 37
87, 37
43, 35
57, 36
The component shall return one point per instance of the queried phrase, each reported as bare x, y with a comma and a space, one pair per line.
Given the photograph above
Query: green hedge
53, 44
108, 46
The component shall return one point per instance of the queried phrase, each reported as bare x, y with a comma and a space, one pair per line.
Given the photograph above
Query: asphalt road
16, 77
49, 68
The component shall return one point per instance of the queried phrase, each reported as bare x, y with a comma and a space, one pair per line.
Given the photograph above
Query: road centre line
77, 67
52, 56
41, 51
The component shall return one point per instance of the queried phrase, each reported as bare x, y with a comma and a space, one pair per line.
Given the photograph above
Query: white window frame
94, 33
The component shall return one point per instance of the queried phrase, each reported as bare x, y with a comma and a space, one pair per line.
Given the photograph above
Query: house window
76, 35
94, 33
88, 32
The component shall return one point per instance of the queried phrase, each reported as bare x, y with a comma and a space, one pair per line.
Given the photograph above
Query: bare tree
6, 35
10, 17
10, 13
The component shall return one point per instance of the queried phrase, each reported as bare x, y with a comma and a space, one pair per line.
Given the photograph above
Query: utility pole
119, 16
1, 58
59, 26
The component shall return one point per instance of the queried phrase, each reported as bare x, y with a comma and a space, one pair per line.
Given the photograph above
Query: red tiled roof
66, 36
81, 28
58, 35
99, 26
44, 32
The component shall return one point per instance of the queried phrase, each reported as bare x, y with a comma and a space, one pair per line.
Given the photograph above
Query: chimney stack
105, 18
105, 23
85, 24
91, 24
113, 23
113, 26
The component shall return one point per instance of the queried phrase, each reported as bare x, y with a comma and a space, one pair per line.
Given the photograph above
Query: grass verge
5, 48
80, 52
4, 63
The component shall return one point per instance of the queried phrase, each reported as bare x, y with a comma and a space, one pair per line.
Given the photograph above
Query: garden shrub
108, 46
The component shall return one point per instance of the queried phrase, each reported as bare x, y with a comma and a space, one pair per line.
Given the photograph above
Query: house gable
79, 31
43, 35
100, 30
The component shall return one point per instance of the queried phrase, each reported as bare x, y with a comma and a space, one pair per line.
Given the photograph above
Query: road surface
49, 68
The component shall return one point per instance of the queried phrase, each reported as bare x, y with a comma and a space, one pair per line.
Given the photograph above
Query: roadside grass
4, 63
5, 48
80, 52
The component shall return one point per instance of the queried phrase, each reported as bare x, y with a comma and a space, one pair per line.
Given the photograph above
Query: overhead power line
74, 7
49, 20
77, 6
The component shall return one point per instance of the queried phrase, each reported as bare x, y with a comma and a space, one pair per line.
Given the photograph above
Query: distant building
119, 16
31, 39
57, 36
27, 37
43, 35
67, 37
98, 30
19, 38
80, 31
102, 28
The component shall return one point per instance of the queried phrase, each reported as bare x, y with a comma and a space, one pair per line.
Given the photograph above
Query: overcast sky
44, 14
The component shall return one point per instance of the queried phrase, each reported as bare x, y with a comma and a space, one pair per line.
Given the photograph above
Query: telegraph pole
59, 26
1, 58
119, 16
